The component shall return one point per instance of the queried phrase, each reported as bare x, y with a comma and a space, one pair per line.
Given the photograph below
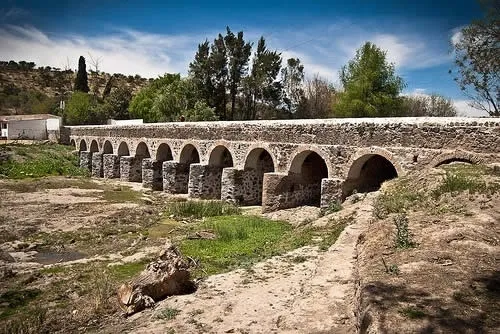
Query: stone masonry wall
111, 166
175, 177
97, 170
130, 169
152, 171
204, 181
86, 160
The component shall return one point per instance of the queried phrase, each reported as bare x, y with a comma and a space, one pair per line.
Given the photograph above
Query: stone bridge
280, 164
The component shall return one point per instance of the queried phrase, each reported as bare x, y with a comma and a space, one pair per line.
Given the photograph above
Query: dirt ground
58, 234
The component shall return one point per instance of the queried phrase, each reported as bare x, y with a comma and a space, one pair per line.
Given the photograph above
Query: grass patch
15, 299
38, 160
412, 312
126, 271
168, 313
332, 207
200, 209
398, 199
121, 194
244, 240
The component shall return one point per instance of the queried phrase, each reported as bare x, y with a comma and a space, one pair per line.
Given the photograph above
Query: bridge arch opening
83, 145
452, 160
189, 155
142, 151
367, 174
163, 153
307, 170
94, 147
258, 162
72, 143
107, 147
123, 149
220, 157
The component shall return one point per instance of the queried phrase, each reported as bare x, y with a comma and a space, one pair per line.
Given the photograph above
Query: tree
293, 78
318, 99
218, 63
81, 82
261, 87
83, 109
142, 104
477, 57
432, 105
238, 53
371, 87
117, 102
200, 71
200, 112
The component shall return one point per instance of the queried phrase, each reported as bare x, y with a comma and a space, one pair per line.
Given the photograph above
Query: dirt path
303, 291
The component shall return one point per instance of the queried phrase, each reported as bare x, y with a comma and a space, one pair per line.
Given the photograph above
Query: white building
30, 127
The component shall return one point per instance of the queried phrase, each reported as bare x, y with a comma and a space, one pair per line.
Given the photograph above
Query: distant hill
50, 82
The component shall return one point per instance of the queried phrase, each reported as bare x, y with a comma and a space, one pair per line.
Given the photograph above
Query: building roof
8, 118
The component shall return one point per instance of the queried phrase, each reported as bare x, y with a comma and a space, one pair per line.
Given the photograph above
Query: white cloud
322, 49
456, 35
464, 109
125, 51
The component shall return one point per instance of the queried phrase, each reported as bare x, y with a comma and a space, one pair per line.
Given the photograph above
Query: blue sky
154, 37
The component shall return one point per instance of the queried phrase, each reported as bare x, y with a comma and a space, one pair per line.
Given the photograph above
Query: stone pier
130, 169
111, 166
86, 160
204, 181
175, 177
152, 177
97, 170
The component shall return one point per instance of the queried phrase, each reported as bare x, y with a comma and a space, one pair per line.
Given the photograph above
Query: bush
403, 236
200, 209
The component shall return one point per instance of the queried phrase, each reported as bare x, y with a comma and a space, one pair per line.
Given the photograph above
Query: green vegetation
200, 209
243, 240
465, 178
412, 312
38, 160
123, 272
371, 87
168, 313
81, 81
403, 237
332, 207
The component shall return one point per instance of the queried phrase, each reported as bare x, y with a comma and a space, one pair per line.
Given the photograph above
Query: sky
151, 38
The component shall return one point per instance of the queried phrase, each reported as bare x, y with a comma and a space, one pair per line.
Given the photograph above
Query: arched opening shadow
258, 162
367, 174
304, 178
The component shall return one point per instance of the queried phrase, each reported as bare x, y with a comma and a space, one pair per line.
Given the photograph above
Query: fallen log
166, 276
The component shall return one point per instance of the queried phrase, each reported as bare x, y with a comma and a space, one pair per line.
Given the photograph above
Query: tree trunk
166, 276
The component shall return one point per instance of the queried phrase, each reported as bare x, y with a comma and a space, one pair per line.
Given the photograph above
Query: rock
6, 257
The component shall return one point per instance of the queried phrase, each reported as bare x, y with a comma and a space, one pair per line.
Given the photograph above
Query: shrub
403, 235
200, 209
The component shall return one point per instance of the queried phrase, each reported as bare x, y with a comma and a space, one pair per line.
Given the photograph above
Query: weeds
397, 200
200, 209
392, 269
37, 160
403, 235
31, 322
168, 313
332, 207
456, 182
412, 312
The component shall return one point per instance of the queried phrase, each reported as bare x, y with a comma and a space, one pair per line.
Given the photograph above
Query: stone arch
107, 148
257, 163
94, 147
123, 149
189, 154
142, 151
307, 169
300, 153
72, 143
163, 152
220, 156
83, 145
371, 151
368, 170
449, 157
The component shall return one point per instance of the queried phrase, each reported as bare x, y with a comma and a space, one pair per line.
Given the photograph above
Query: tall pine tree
238, 53
81, 81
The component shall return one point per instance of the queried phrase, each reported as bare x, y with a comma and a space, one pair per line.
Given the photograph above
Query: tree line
229, 79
